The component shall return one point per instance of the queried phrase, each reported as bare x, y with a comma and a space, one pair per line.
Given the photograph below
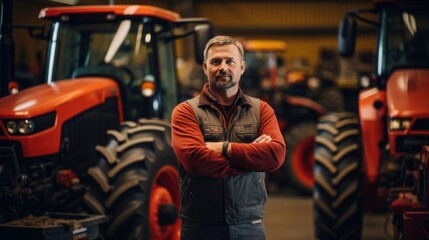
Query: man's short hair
221, 41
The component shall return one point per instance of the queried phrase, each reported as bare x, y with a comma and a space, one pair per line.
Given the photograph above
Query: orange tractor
378, 159
95, 138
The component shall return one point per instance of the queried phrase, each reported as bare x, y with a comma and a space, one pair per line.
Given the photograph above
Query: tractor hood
69, 97
54, 104
407, 94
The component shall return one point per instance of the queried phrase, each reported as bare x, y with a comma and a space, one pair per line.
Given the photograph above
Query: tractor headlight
12, 127
30, 126
365, 81
399, 124
26, 126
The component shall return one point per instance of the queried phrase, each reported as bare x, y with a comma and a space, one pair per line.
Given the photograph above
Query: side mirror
347, 36
203, 33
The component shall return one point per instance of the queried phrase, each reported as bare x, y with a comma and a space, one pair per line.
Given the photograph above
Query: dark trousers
244, 231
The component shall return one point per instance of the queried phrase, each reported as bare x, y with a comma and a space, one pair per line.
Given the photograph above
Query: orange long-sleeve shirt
189, 146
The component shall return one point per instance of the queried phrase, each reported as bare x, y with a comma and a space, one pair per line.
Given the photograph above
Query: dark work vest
234, 199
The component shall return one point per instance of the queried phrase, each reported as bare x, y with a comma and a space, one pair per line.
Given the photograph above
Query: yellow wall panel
305, 26
292, 14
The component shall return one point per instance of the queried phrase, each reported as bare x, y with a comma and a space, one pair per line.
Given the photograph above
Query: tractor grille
411, 143
83, 132
421, 125
6, 148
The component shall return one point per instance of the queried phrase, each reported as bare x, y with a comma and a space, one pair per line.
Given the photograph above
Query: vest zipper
236, 114
222, 120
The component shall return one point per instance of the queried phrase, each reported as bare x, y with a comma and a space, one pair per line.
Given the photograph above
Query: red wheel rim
165, 189
303, 161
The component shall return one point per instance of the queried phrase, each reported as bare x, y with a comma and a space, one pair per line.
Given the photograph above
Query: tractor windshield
404, 40
123, 44
130, 51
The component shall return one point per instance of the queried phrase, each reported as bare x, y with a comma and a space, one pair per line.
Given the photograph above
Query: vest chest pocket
212, 133
247, 133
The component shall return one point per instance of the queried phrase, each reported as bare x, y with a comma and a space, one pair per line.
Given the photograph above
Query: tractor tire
331, 99
300, 156
135, 183
338, 209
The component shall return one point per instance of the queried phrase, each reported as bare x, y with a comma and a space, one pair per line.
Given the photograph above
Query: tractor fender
372, 109
307, 103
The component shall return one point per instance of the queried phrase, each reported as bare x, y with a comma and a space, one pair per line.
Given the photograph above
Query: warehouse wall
306, 26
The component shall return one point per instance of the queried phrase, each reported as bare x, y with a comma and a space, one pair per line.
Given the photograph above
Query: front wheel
135, 183
338, 210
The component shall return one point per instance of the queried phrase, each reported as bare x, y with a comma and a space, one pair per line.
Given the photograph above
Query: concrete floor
290, 218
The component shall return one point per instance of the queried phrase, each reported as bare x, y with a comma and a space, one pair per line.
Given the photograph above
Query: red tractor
95, 138
378, 159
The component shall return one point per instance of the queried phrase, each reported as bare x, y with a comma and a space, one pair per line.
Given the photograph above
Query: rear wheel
135, 183
299, 155
337, 200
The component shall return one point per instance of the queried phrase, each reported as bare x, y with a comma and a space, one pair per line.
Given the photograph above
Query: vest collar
206, 99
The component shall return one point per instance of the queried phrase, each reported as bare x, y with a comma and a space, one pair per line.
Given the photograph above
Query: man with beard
224, 141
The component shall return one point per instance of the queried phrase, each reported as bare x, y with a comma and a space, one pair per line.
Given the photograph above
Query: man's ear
205, 68
243, 66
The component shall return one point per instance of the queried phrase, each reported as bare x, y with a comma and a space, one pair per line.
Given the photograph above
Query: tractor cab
403, 35
265, 64
131, 44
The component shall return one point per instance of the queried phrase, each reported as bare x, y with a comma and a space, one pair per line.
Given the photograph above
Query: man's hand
263, 138
217, 146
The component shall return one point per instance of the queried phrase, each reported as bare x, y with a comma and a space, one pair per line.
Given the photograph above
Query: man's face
223, 67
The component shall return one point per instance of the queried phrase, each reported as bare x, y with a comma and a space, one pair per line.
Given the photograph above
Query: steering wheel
129, 75
126, 75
